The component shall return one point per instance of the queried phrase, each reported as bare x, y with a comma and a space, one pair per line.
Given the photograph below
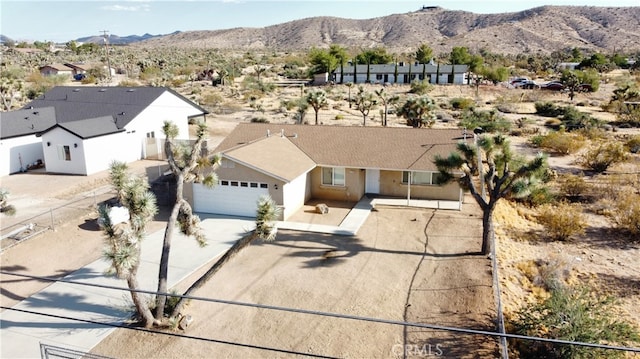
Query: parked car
553, 86
79, 77
518, 80
530, 85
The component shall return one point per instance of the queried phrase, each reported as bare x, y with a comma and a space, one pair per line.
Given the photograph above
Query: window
224, 183
253, 185
64, 153
378, 76
151, 134
333, 176
263, 185
421, 178
234, 183
244, 184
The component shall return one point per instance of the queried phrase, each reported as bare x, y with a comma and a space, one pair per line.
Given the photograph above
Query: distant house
567, 66
82, 130
402, 73
56, 69
296, 163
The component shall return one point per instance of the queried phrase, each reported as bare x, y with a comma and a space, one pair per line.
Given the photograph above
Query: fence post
52, 224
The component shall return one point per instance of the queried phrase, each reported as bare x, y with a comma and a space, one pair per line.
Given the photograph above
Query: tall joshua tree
504, 176
187, 164
387, 99
317, 100
267, 212
123, 241
364, 102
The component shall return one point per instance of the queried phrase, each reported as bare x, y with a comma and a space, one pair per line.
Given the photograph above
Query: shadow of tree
619, 286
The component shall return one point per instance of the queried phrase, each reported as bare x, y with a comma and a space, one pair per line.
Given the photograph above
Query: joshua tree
387, 99
349, 86
503, 177
187, 165
124, 240
364, 103
317, 100
419, 111
267, 212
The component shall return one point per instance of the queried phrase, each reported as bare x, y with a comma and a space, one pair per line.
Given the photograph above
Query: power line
338, 315
183, 336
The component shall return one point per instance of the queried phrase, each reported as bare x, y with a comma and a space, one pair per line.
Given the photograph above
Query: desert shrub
626, 214
5, 207
573, 186
561, 221
538, 196
489, 121
559, 142
573, 119
633, 144
460, 103
177, 81
128, 83
259, 120
339, 117
523, 122
602, 156
575, 314
212, 99
420, 87
548, 109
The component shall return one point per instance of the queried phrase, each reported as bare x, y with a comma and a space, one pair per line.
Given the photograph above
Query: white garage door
236, 198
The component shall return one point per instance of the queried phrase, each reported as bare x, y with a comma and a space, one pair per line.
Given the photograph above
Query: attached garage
235, 198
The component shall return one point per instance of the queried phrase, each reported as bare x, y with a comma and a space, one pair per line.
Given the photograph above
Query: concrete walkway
348, 227
22, 333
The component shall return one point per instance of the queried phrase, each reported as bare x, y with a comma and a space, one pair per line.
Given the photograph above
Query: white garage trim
230, 197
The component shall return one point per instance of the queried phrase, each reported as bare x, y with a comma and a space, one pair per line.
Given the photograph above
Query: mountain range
539, 30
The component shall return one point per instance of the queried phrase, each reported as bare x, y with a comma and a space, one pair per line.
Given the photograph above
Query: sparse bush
573, 119
339, 117
420, 87
539, 196
602, 156
561, 221
553, 123
5, 207
626, 214
559, 142
575, 314
633, 144
460, 103
259, 120
128, 83
573, 186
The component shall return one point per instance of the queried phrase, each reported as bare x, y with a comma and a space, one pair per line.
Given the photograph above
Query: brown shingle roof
391, 148
275, 155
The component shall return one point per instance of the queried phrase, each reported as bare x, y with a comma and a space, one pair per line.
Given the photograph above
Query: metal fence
48, 351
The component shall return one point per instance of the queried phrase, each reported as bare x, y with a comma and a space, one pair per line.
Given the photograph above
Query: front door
372, 181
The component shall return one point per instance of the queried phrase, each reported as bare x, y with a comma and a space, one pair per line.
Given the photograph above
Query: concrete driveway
21, 333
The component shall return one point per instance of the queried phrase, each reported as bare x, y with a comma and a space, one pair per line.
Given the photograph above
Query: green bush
548, 109
575, 314
339, 117
573, 119
460, 103
561, 221
626, 214
489, 121
420, 87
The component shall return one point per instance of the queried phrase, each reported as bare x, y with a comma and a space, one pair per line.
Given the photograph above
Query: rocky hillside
543, 29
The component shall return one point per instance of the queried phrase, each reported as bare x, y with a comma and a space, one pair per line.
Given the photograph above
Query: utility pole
105, 34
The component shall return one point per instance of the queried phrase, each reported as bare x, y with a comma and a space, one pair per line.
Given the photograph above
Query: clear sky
61, 21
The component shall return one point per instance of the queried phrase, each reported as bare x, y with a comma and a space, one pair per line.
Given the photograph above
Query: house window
264, 185
379, 77
421, 178
253, 185
333, 176
234, 183
224, 183
151, 134
64, 153
244, 184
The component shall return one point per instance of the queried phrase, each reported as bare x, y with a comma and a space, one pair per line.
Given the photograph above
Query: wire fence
26, 228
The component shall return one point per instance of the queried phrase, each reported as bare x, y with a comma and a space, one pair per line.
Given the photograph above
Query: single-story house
296, 163
56, 69
402, 73
81, 130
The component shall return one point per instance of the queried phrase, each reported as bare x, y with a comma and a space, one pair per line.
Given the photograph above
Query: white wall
167, 107
51, 141
29, 148
101, 151
294, 194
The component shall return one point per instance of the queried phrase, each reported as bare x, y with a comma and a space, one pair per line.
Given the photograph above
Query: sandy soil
405, 264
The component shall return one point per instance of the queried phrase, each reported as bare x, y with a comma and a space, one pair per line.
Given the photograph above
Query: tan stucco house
296, 163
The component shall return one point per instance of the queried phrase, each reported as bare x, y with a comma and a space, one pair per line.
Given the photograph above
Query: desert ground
405, 264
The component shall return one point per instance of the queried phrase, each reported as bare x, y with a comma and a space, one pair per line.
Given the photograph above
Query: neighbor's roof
387, 148
26, 122
115, 105
59, 67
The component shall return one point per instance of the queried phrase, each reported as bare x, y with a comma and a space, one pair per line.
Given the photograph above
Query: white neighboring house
93, 126
402, 73
19, 145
